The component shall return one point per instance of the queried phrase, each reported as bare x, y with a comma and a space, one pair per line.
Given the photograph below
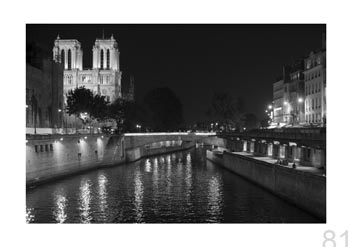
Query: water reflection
169, 175
148, 166
188, 177
138, 196
30, 215
60, 202
215, 198
85, 200
167, 188
102, 193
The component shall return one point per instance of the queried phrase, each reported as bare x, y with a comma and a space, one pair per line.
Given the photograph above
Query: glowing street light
270, 106
300, 100
59, 110
285, 102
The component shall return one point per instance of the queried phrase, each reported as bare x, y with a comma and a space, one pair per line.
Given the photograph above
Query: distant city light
61, 139
266, 110
285, 102
270, 106
300, 100
85, 137
59, 110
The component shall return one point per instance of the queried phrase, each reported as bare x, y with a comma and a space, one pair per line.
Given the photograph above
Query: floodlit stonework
105, 76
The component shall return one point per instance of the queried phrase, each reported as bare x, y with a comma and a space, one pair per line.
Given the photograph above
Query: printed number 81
329, 237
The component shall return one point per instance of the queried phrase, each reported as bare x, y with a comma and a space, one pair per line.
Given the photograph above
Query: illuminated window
108, 59
69, 59
101, 59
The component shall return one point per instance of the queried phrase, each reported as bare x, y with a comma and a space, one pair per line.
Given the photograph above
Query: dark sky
197, 60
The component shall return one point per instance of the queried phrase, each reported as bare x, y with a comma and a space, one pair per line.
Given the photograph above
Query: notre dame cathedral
105, 76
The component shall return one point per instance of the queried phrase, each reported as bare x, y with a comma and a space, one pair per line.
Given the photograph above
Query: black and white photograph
175, 123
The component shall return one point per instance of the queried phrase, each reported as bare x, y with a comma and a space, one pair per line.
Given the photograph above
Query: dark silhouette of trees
82, 100
227, 111
165, 109
128, 115
251, 121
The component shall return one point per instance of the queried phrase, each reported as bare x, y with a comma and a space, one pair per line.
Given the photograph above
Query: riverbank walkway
271, 160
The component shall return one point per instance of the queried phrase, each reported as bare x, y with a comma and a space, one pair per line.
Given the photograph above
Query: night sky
197, 60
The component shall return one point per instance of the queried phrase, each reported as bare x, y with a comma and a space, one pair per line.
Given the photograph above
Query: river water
179, 187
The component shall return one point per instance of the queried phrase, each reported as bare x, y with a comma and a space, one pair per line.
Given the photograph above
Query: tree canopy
165, 109
227, 111
82, 100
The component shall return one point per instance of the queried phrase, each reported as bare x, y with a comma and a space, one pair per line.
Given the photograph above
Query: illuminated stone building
278, 93
293, 104
105, 76
288, 95
315, 87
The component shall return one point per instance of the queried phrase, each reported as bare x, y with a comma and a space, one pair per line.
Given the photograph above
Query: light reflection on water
102, 193
60, 202
29, 215
84, 201
177, 187
215, 198
138, 196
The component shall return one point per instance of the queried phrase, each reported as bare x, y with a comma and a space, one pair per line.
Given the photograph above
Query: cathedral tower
105, 54
68, 51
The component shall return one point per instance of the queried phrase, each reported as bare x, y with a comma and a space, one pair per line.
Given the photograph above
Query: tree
84, 104
251, 121
165, 108
227, 111
128, 115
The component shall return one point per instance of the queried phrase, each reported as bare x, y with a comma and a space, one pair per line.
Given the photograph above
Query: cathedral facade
104, 78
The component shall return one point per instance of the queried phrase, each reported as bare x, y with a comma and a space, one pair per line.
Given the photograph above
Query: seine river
181, 187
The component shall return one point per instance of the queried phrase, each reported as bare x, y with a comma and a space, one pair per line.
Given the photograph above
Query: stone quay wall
303, 189
50, 157
55, 156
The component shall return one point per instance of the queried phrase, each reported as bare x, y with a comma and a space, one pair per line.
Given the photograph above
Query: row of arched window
107, 59
68, 79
